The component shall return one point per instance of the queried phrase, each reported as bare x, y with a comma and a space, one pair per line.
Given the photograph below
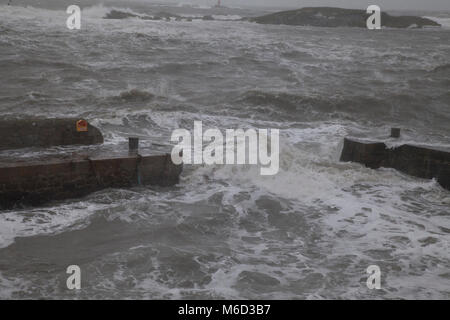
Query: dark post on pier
133, 144
395, 132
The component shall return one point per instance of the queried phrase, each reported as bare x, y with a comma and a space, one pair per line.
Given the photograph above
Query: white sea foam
444, 22
227, 17
33, 222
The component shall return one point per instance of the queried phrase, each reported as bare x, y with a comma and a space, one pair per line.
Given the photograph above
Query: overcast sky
405, 5
388, 4
360, 4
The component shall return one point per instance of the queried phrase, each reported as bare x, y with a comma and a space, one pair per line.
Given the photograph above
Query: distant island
317, 17
338, 17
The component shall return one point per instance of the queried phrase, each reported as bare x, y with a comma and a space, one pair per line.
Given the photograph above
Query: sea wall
37, 183
417, 161
24, 133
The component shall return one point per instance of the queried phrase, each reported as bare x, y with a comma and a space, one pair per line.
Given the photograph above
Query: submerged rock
167, 15
115, 14
338, 17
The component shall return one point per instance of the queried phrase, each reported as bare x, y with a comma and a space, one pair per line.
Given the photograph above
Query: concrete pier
38, 182
77, 167
418, 161
37, 132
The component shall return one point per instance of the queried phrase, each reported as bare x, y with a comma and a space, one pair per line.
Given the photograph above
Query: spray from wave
443, 21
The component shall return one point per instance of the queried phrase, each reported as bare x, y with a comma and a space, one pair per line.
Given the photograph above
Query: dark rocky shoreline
338, 17
313, 16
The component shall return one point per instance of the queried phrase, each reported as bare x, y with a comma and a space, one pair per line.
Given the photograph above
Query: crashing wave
119, 14
443, 21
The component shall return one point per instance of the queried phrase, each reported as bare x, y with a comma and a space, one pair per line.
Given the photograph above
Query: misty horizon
392, 5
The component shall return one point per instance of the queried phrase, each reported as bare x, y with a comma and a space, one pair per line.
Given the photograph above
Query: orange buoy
82, 126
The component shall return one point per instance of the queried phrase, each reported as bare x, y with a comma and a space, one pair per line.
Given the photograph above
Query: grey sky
404, 5
361, 4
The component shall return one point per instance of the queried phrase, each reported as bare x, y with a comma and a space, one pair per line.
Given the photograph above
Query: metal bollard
133, 144
395, 132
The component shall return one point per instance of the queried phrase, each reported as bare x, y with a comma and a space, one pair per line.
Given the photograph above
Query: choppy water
227, 232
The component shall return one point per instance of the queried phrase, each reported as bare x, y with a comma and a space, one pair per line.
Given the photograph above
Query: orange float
82, 126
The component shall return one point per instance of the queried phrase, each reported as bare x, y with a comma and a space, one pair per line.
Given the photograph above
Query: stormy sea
226, 231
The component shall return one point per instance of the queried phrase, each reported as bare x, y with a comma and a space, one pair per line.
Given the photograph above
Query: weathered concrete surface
417, 161
338, 17
24, 133
39, 182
